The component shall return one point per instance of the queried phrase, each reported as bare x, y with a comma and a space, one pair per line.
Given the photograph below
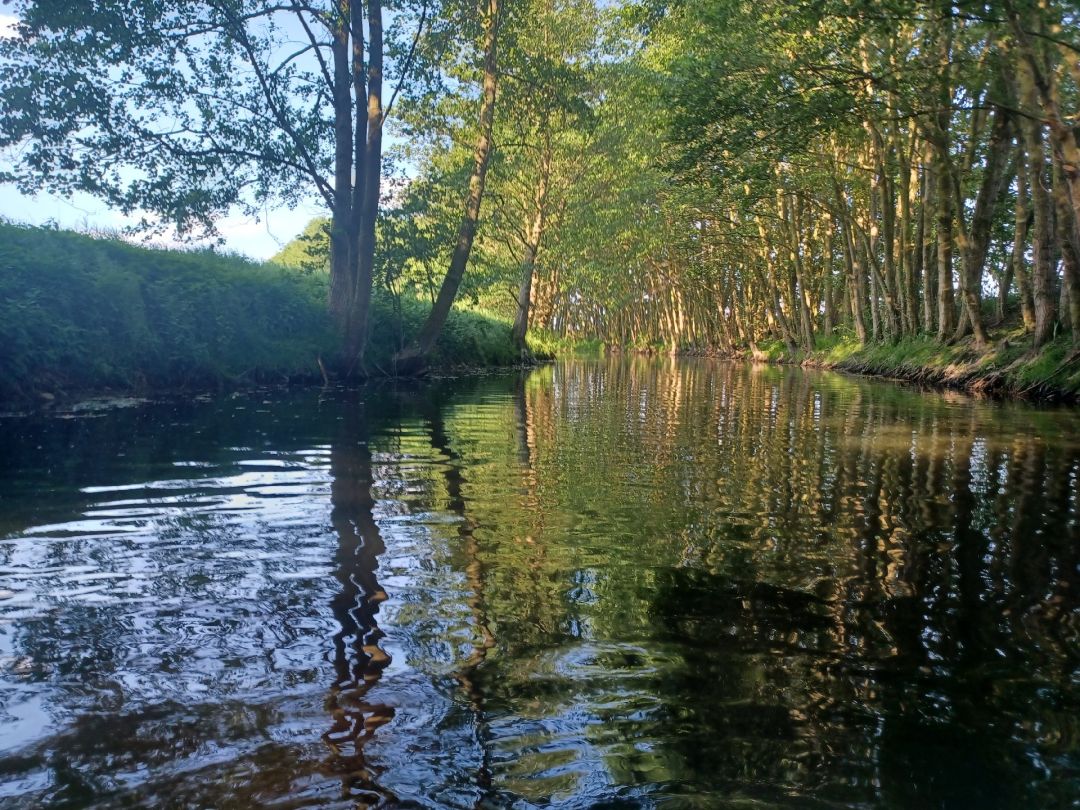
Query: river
624, 583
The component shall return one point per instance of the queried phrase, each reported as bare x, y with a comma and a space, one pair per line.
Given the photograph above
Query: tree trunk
796, 275
1019, 263
946, 301
889, 276
1069, 240
524, 297
342, 266
413, 359
1042, 270
946, 309
357, 170
827, 285
886, 310
532, 246
369, 177
928, 246
976, 240
856, 282
909, 254
915, 266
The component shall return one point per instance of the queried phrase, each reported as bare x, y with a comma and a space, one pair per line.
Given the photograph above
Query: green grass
80, 313
547, 345
471, 337
1008, 365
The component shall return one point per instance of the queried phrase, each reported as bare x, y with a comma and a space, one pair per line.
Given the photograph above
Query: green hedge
82, 313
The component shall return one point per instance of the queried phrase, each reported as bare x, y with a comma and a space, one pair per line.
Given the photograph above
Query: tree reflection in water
616, 583
469, 674
357, 658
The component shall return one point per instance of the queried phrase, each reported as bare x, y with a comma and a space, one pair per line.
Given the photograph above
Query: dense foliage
719, 175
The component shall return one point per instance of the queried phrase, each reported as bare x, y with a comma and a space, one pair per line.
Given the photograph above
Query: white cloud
262, 239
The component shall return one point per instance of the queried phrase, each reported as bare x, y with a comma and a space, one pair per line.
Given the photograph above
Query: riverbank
82, 315
1008, 367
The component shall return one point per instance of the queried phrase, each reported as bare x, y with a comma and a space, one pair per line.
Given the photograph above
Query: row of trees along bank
696, 173
878, 165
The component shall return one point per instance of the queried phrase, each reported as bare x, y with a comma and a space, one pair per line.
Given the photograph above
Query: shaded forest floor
1008, 366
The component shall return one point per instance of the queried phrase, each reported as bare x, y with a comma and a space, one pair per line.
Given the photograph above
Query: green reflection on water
630, 582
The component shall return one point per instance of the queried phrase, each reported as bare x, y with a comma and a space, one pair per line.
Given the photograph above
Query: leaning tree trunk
413, 358
524, 299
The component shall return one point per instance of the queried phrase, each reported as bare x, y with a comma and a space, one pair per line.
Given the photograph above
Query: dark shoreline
87, 401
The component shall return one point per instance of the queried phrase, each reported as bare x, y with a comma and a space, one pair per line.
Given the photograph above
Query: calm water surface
625, 584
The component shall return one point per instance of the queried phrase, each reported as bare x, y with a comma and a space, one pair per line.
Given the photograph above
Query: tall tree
414, 357
181, 111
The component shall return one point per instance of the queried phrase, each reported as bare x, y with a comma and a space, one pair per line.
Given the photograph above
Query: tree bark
856, 282
1019, 263
369, 172
414, 357
976, 240
342, 267
946, 316
533, 235
928, 246
827, 284
796, 275
1069, 240
357, 171
946, 309
1042, 270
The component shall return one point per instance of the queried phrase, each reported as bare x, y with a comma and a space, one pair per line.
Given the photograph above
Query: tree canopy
697, 174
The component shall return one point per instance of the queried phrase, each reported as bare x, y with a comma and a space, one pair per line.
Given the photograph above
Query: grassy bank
548, 344
86, 314
1007, 367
